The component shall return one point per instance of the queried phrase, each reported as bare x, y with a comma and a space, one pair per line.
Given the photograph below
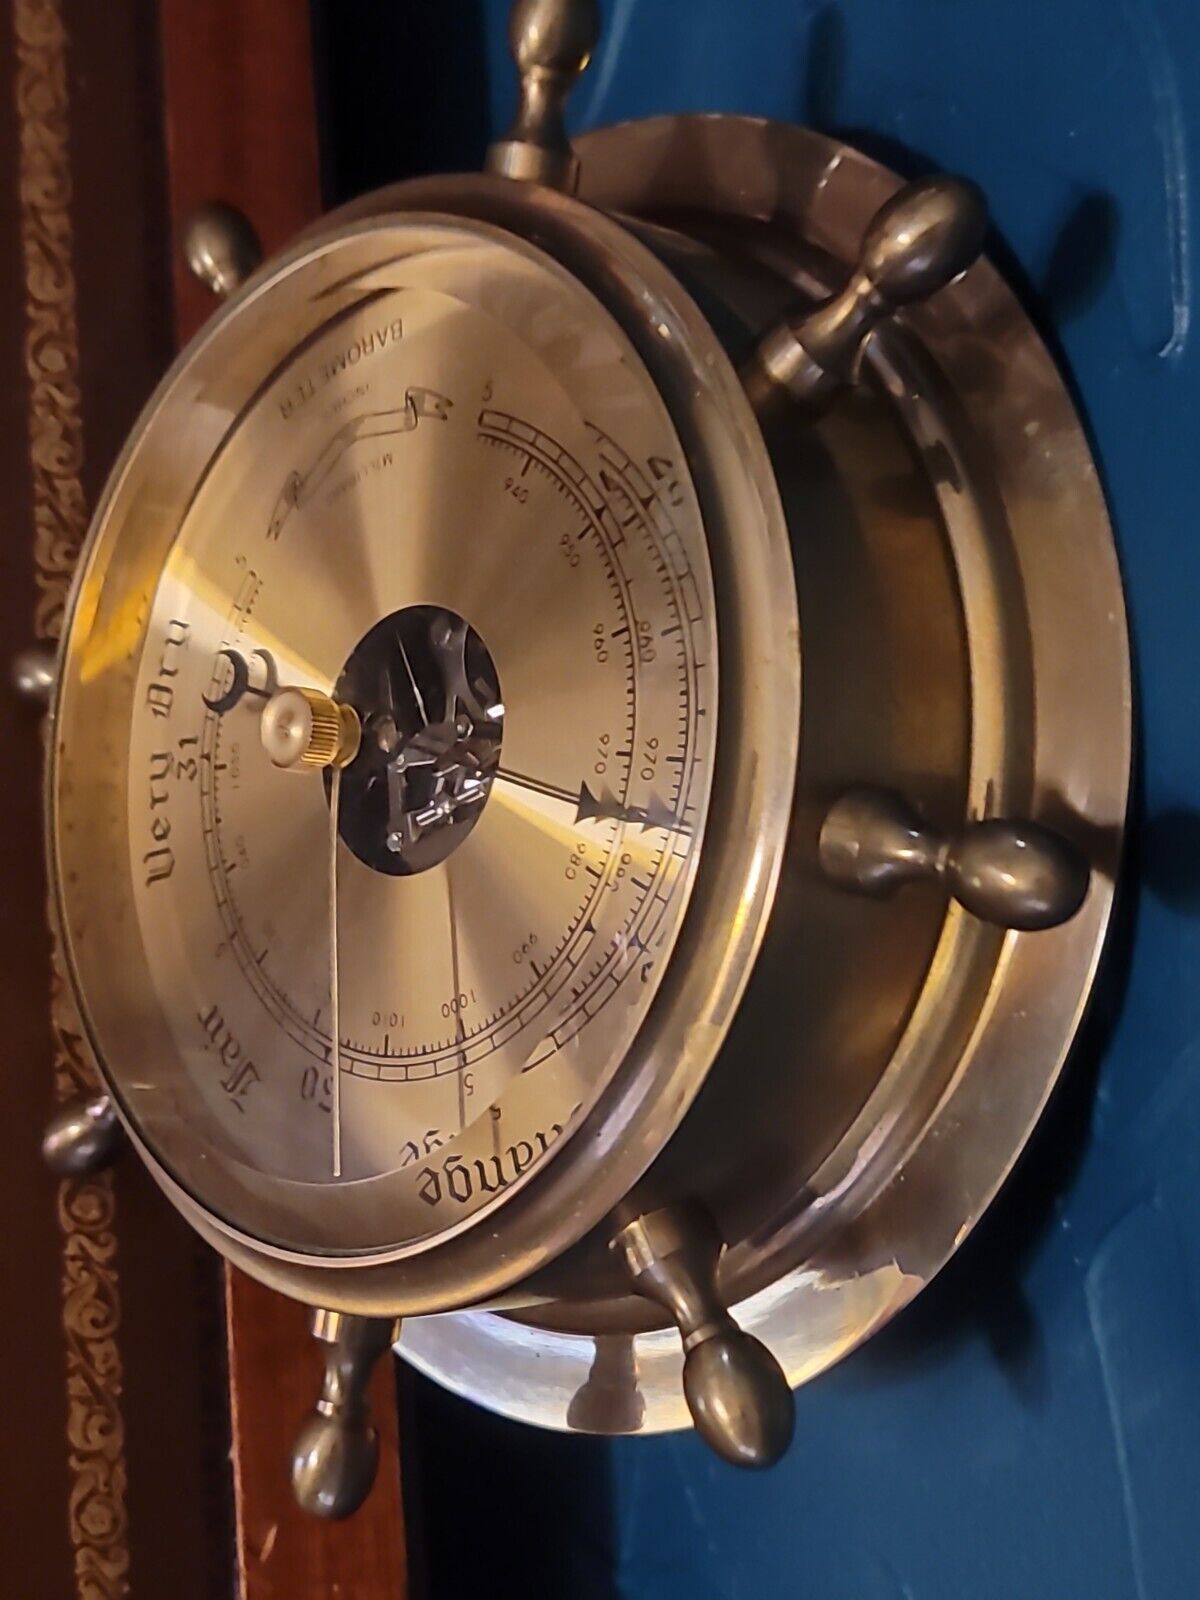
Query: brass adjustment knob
82, 1138
303, 728
923, 238
735, 1389
551, 42
337, 1450
1009, 871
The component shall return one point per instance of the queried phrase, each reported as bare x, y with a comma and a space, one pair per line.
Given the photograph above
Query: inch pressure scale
589, 755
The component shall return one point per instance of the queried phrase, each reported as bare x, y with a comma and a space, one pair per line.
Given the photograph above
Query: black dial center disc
428, 697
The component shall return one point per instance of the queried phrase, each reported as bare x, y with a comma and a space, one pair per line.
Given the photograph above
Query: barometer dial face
460, 508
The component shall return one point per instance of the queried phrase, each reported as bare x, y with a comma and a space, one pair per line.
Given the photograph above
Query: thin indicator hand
412, 681
397, 833
305, 730
335, 1047
460, 1032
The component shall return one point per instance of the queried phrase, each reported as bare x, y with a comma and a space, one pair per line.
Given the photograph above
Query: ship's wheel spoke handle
923, 238
736, 1391
551, 42
337, 1449
1013, 872
83, 1137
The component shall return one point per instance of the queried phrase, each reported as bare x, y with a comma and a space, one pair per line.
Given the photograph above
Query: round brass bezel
645, 1100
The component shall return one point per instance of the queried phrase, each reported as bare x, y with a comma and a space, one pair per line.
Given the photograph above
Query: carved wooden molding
91, 1298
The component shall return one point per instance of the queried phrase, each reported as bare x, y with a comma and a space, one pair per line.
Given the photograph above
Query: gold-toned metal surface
302, 728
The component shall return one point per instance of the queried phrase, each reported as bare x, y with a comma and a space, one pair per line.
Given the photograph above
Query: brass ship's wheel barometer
545, 755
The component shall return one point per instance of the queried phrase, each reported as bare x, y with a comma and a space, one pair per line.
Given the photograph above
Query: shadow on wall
403, 91
498, 1508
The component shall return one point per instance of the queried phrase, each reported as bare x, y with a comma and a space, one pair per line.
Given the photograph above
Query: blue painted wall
1032, 1427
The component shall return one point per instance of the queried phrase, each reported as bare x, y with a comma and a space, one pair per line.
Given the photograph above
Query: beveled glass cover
404, 430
